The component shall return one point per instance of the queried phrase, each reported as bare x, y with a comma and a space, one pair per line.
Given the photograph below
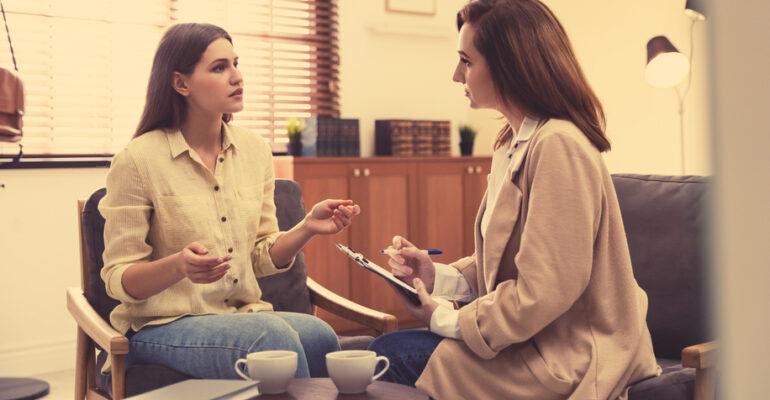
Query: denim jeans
207, 346
408, 352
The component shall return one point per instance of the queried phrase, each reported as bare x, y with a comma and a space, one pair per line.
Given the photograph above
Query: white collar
527, 128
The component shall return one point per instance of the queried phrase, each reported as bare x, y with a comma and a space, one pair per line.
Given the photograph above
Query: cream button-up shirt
161, 197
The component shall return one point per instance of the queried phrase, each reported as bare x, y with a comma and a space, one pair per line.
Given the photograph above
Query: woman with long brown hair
191, 224
551, 308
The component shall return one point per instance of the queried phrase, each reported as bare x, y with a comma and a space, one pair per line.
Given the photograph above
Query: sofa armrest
338, 305
701, 355
93, 325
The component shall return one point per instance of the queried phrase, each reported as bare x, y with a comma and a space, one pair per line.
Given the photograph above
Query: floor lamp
667, 67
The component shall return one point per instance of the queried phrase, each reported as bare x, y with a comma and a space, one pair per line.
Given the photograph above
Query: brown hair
533, 66
179, 50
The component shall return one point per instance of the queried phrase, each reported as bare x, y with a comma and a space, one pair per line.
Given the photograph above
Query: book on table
204, 389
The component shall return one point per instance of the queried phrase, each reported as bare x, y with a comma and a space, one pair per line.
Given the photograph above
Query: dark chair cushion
355, 342
665, 218
139, 378
675, 383
93, 230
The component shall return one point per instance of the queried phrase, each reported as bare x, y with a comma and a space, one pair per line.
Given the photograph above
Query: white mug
273, 369
353, 370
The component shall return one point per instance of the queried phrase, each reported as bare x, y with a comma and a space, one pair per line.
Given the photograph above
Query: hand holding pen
407, 262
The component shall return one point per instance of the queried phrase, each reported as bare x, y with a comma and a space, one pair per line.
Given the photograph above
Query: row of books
399, 137
326, 136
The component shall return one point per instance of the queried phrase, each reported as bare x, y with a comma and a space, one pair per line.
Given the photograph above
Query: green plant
467, 134
294, 129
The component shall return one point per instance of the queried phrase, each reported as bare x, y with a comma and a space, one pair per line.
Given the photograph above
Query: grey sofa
666, 222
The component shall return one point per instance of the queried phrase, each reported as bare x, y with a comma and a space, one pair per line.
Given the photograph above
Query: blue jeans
207, 346
408, 352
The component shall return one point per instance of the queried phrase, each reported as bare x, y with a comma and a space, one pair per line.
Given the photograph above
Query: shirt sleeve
268, 231
126, 209
444, 322
450, 284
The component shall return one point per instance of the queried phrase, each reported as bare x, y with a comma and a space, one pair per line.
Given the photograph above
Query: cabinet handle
478, 169
470, 169
356, 172
366, 171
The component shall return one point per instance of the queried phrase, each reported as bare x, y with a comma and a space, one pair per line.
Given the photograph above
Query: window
85, 65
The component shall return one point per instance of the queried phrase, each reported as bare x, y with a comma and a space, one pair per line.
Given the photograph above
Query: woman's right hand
412, 263
193, 264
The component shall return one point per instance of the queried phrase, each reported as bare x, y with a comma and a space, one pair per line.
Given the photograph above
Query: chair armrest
700, 355
336, 304
93, 325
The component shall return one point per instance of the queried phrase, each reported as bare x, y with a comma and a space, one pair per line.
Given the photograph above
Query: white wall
392, 66
40, 258
397, 65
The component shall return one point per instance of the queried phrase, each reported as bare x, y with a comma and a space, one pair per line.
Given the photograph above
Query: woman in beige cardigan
553, 310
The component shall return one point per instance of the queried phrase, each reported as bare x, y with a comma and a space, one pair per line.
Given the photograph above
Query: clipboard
400, 285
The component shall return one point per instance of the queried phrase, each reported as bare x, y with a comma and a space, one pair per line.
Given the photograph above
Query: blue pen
426, 251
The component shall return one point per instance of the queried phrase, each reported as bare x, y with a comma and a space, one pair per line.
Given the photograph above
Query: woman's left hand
331, 216
423, 312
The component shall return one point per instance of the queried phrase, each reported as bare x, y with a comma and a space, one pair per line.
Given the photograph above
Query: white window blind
85, 65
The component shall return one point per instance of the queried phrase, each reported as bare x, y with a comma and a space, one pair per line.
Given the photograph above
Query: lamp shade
666, 66
695, 9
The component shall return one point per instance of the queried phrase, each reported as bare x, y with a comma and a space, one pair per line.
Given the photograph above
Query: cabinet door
440, 209
325, 264
382, 189
475, 183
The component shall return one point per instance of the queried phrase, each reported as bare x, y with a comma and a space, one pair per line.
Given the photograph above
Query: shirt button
224, 219
221, 159
216, 188
230, 250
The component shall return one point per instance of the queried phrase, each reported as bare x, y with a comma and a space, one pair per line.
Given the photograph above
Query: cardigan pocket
542, 372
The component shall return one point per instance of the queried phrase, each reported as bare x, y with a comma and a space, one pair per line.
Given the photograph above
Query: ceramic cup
353, 370
273, 369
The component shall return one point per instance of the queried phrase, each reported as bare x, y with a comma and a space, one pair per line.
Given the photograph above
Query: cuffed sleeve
450, 284
267, 232
127, 210
444, 322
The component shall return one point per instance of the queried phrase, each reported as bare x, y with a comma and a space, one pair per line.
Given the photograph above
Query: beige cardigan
558, 314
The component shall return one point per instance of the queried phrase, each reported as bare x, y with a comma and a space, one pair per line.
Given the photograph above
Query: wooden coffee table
323, 388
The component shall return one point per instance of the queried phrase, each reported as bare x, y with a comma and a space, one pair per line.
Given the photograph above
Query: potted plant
467, 135
294, 132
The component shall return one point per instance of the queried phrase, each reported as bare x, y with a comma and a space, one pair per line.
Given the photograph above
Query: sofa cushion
674, 383
665, 219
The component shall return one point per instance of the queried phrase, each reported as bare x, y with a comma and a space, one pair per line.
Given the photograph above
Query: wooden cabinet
431, 201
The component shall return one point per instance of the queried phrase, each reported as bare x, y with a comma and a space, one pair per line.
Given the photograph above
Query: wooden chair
90, 306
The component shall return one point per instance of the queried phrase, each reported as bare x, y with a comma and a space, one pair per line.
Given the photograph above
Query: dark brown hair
179, 50
532, 65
